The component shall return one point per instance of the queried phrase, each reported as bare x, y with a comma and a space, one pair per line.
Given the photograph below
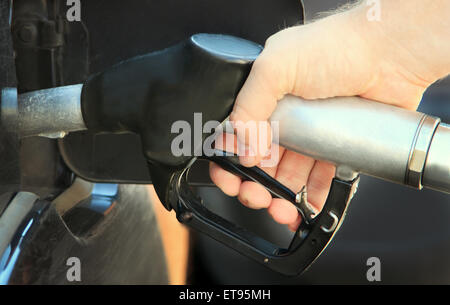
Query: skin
392, 61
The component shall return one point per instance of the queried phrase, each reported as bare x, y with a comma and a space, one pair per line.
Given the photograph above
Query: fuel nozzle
203, 74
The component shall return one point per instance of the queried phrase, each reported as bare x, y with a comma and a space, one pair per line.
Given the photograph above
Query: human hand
341, 55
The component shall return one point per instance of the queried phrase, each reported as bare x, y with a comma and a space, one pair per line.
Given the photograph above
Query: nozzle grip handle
309, 241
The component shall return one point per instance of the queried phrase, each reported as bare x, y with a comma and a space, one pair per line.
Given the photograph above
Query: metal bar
376, 139
50, 112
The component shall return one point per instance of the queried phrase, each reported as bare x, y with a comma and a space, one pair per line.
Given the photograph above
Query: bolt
27, 33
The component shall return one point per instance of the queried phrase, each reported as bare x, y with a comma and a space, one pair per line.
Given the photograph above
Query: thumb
254, 104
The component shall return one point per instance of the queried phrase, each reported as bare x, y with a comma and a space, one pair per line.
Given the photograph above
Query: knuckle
240, 114
263, 64
270, 40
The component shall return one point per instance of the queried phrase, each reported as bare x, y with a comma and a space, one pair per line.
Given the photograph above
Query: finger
254, 139
319, 183
282, 211
226, 181
270, 162
254, 195
294, 225
255, 103
258, 96
226, 142
293, 172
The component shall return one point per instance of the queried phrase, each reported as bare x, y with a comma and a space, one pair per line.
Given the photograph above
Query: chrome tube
50, 112
376, 139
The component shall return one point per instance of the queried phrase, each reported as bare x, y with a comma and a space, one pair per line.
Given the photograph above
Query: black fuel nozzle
203, 74
148, 93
